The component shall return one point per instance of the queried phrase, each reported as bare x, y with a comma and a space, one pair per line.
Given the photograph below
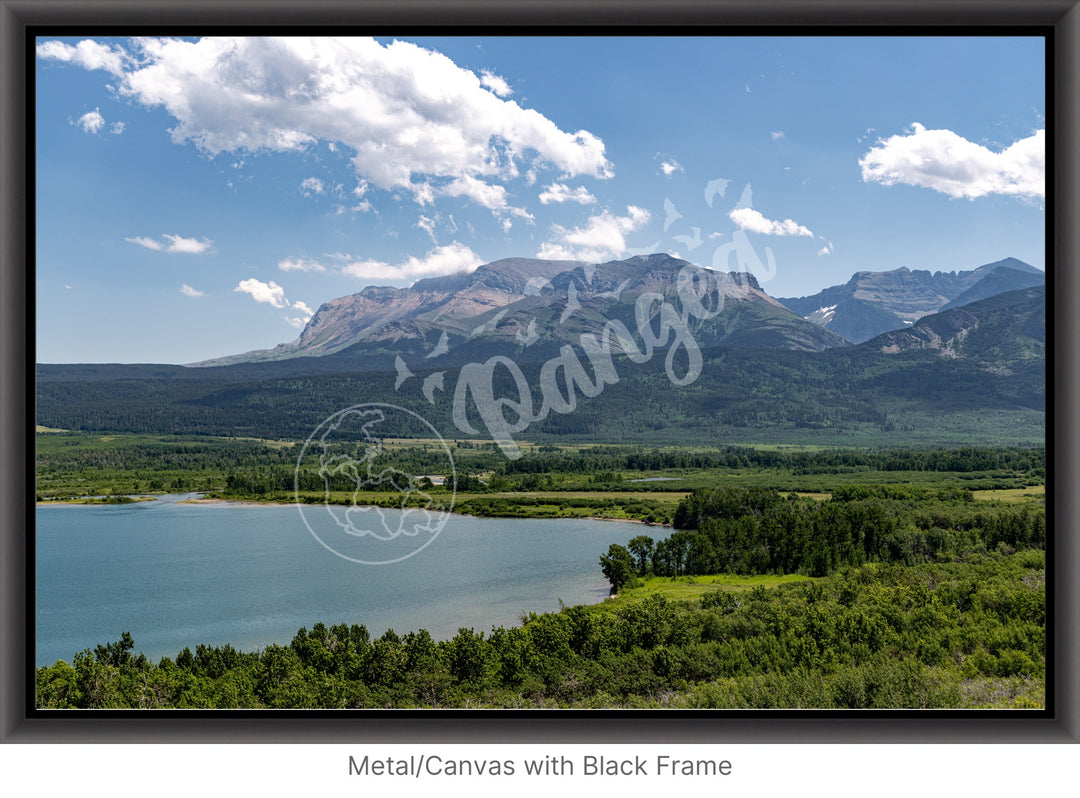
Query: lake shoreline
256, 503
248, 576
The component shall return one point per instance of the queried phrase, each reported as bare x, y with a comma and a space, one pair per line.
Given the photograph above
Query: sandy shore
92, 503
237, 502
250, 503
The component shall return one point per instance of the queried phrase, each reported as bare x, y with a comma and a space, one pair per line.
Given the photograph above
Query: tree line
760, 531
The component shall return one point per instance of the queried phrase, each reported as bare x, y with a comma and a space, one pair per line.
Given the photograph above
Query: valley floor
779, 579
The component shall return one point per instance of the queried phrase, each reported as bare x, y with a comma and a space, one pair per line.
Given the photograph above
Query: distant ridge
531, 300
872, 303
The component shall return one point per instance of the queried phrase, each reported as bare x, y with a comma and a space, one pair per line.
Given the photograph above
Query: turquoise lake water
177, 575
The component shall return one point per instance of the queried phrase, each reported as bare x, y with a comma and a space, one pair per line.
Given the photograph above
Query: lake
177, 575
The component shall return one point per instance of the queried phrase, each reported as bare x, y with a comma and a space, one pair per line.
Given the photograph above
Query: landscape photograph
532, 373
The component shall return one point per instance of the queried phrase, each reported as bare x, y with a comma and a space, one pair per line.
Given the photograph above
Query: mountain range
959, 374
872, 303
529, 301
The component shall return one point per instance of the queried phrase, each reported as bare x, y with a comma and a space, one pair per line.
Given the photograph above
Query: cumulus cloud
560, 192
269, 293
190, 246
300, 265
91, 122
826, 250
274, 295
670, 167
414, 119
755, 222
947, 162
88, 54
187, 290
776, 135
490, 196
299, 322
117, 128
449, 259
602, 238
312, 186
495, 83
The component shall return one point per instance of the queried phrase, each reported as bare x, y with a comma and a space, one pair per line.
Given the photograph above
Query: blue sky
201, 197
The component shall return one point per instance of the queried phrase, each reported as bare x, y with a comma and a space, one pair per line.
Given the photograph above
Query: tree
618, 567
117, 654
641, 547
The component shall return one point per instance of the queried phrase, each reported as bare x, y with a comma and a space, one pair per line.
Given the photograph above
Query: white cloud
91, 122
448, 259
312, 186
143, 241
949, 163
274, 295
497, 84
560, 192
413, 118
776, 135
826, 250
117, 128
427, 225
190, 246
752, 220
270, 293
88, 54
603, 237
187, 290
670, 167
299, 322
300, 265
490, 196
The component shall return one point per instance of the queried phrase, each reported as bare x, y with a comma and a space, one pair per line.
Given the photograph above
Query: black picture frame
21, 19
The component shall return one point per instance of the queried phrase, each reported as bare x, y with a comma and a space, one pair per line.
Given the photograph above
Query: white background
881, 771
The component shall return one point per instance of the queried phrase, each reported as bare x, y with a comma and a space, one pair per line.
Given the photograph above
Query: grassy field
1025, 494
687, 588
